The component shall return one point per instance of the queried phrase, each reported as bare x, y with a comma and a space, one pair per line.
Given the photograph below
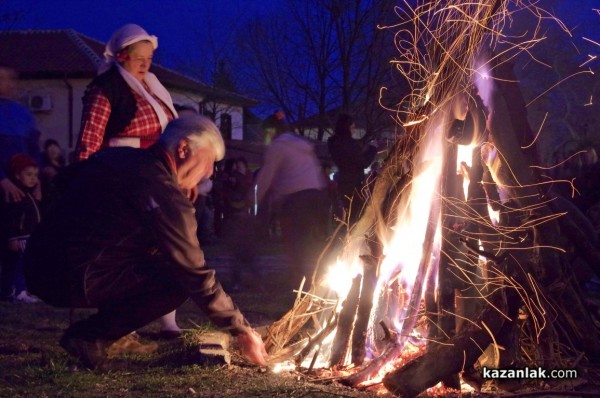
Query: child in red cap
20, 219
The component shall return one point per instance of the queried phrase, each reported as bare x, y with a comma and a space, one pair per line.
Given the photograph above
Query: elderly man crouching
122, 239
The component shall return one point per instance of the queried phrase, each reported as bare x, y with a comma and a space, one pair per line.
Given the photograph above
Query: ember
457, 249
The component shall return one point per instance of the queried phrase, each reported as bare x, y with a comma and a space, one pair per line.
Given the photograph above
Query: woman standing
126, 105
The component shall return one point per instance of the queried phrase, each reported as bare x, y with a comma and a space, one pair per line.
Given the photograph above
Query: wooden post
370, 266
341, 341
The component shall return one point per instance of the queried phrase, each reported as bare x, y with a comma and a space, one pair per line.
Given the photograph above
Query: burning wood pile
447, 270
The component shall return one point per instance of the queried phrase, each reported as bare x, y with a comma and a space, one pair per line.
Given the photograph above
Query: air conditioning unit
39, 102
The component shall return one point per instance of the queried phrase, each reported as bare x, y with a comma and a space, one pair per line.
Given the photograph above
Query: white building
55, 66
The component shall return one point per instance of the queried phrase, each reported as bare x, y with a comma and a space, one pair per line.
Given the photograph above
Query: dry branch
281, 331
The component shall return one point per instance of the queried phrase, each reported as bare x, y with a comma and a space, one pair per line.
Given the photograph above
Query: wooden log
393, 350
341, 341
371, 265
446, 282
452, 191
444, 360
214, 357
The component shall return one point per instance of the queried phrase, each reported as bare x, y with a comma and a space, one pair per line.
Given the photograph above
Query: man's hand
192, 194
11, 192
252, 348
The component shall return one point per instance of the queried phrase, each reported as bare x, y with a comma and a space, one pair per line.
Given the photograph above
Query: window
226, 126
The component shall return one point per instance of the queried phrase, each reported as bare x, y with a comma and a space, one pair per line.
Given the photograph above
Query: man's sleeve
173, 220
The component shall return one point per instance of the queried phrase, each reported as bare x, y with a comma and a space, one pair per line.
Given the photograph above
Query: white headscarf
123, 37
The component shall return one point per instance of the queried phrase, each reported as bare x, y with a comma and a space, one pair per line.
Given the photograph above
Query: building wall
236, 112
57, 106
59, 115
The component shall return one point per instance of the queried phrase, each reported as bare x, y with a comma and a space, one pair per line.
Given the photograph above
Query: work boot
91, 353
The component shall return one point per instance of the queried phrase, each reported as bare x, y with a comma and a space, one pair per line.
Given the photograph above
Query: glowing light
481, 79
284, 366
494, 215
464, 155
339, 277
322, 360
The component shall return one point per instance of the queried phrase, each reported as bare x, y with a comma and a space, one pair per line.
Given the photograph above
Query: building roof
65, 53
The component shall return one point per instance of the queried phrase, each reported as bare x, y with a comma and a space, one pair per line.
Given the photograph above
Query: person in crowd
239, 226
291, 178
331, 190
351, 159
205, 213
19, 220
18, 134
52, 163
122, 239
126, 105
372, 176
223, 170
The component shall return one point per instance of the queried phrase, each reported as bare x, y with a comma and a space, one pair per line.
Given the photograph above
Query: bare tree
269, 66
315, 37
320, 55
10, 17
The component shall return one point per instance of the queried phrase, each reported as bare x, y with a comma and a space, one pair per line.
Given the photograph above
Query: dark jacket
20, 218
351, 160
122, 213
122, 101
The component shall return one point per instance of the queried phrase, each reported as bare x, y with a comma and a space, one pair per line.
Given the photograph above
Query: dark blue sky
181, 25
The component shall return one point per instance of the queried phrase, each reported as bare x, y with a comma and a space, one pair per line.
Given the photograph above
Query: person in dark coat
122, 239
351, 160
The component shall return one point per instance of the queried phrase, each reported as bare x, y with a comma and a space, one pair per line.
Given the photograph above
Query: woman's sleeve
96, 111
266, 175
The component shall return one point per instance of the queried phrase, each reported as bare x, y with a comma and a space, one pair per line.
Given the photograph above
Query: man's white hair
200, 131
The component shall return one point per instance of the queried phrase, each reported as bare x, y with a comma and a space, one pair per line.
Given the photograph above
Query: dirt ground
32, 364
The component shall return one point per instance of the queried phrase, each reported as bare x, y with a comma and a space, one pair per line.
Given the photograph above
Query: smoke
483, 80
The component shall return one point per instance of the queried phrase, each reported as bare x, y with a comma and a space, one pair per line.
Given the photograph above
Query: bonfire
458, 260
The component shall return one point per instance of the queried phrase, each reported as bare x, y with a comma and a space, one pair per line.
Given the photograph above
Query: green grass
32, 364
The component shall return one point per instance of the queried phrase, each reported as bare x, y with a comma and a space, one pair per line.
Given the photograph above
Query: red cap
19, 162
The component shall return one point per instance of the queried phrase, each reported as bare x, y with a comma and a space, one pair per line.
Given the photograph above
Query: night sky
181, 25
185, 27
